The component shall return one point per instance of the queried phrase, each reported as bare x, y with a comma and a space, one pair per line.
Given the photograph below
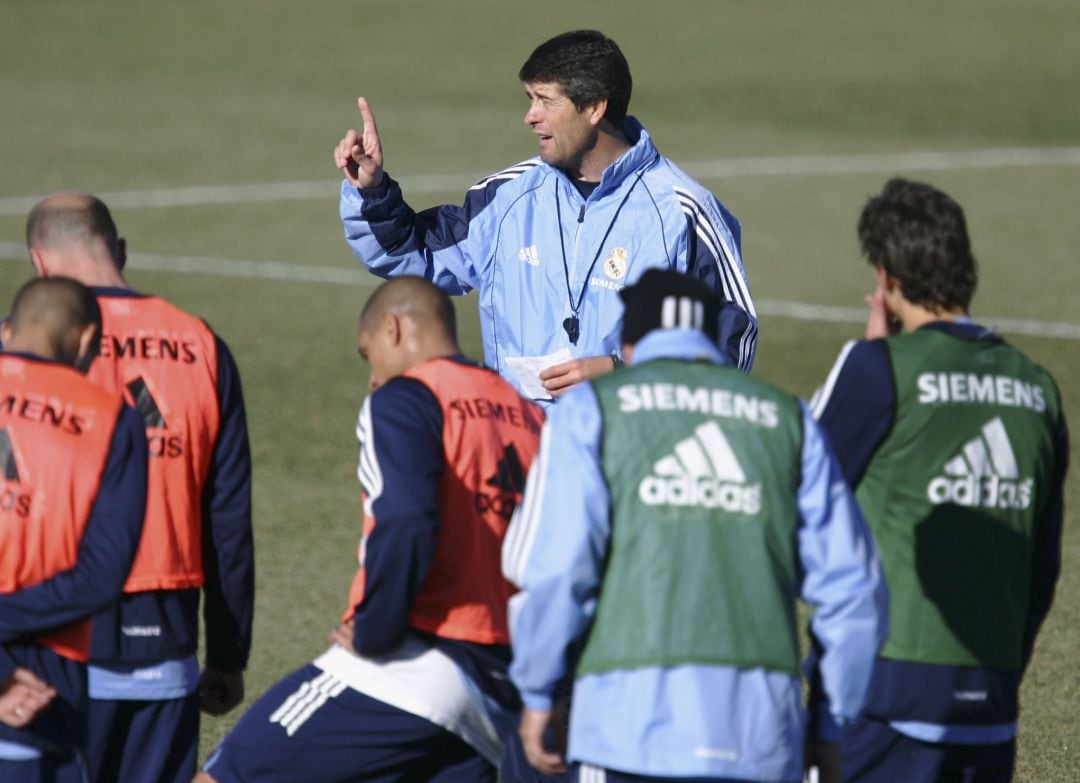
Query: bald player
146, 688
74, 462
414, 686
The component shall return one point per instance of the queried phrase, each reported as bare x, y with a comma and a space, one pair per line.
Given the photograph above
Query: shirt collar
104, 290
642, 151
963, 327
677, 344
33, 357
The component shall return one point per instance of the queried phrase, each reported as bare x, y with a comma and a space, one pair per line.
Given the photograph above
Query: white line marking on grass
225, 267
800, 311
768, 166
304, 273
269, 192
12, 251
889, 163
258, 270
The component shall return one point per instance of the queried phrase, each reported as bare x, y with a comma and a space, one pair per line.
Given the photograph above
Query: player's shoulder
865, 355
402, 409
859, 365
146, 305
193, 321
458, 375
1037, 370
403, 396
127, 316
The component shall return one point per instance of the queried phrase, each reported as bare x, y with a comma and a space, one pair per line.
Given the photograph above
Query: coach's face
565, 133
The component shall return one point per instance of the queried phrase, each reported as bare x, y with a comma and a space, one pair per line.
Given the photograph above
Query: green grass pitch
118, 96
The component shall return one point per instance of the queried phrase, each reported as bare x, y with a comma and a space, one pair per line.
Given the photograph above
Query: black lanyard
572, 325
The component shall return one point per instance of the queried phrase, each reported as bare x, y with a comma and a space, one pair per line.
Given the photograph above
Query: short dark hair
588, 66
415, 296
54, 306
918, 235
79, 218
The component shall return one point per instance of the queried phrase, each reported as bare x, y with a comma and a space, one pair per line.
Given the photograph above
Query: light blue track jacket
688, 720
536, 250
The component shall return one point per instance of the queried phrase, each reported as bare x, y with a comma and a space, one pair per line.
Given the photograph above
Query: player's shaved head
413, 298
406, 321
73, 235
70, 219
49, 318
55, 304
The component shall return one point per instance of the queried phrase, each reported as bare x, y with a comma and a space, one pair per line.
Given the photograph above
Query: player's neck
95, 263
102, 275
33, 344
436, 348
91, 272
915, 317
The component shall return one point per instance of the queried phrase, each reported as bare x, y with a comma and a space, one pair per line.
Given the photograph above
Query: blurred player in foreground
957, 447
145, 684
550, 241
414, 686
74, 461
676, 511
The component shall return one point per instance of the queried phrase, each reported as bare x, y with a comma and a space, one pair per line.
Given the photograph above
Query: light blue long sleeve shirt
539, 253
688, 720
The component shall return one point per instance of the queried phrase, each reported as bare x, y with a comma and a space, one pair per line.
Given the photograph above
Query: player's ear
392, 327
886, 282
39, 262
120, 257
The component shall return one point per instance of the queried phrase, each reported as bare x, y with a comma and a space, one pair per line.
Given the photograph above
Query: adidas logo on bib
983, 474
702, 471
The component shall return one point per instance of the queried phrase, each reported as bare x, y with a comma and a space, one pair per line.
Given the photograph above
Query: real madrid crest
615, 266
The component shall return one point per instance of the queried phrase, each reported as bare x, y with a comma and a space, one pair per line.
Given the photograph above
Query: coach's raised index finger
367, 117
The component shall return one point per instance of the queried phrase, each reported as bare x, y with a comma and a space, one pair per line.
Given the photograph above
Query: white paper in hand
527, 371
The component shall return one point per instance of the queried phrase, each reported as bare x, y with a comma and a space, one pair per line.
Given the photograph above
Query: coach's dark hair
918, 235
81, 219
588, 66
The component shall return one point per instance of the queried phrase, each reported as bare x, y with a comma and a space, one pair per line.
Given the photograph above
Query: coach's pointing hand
359, 155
